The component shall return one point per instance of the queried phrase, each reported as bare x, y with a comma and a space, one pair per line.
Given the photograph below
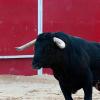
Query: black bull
75, 65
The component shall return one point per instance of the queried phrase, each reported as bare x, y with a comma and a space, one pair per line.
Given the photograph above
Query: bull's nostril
35, 62
36, 59
36, 66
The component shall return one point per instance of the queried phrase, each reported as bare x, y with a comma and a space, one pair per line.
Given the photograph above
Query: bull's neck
58, 68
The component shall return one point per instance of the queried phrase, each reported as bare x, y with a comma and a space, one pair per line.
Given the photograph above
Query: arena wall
19, 23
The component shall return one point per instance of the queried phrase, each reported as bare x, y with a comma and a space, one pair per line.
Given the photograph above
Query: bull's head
45, 46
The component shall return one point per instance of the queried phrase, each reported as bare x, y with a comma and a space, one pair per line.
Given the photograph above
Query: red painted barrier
77, 17
18, 25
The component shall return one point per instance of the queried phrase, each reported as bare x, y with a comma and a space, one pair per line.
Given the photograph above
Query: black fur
76, 66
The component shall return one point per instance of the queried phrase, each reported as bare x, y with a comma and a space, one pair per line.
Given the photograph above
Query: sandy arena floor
34, 88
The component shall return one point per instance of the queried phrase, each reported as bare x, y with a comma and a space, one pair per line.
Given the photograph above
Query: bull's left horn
60, 43
25, 46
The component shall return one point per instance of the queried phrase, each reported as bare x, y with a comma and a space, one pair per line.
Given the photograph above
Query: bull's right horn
25, 46
60, 43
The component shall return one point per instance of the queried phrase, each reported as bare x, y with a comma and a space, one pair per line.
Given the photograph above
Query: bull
75, 61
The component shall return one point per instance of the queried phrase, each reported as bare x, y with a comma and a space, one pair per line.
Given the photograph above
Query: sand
45, 87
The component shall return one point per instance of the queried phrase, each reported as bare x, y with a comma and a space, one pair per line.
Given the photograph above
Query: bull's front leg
88, 88
67, 94
87, 93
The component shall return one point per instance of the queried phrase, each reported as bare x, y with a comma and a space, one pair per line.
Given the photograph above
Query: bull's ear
60, 43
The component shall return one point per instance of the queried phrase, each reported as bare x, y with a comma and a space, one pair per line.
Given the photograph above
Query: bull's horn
25, 46
60, 43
